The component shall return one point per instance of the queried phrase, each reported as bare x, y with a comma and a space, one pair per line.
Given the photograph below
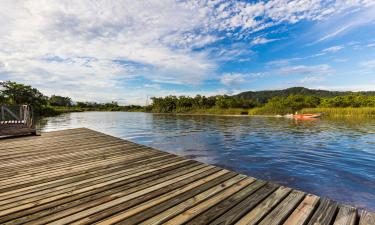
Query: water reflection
335, 159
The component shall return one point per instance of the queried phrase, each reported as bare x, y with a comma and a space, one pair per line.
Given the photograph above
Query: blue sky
124, 50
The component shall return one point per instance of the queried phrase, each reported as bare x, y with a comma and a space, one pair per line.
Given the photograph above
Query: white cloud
262, 40
302, 69
92, 48
233, 79
333, 49
353, 18
311, 79
369, 64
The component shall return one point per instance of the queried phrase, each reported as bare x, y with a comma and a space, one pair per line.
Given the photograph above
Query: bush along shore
12, 93
301, 100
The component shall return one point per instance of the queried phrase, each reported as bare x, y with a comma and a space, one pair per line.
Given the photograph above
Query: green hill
264, 96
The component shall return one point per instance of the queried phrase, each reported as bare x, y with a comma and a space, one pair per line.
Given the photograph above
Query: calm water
335, 159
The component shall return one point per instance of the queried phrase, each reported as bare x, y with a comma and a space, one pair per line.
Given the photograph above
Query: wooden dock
80, 176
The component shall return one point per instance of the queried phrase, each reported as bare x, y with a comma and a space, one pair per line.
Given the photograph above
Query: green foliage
265, 96
3, 99
18, 94
293, 103
361, 112
183, 104
56, 100
12, 93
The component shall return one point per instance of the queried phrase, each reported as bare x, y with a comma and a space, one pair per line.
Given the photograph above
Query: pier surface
80, 176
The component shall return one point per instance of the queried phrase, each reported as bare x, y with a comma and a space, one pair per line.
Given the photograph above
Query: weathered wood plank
115, 202
234, 214
256, 214
138, 182
128, 216
346, 216
367, 218
304, 211
193, 200
325, 213
226, 204
284, 209
196, 210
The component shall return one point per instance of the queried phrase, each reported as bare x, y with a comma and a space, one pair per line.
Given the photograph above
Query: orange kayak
306, 116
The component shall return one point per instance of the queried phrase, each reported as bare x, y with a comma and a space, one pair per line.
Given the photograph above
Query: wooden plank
94, 210
196, 210
53, 198
256, 214
166, 214
225, 205
304, 211
36, 196
130, 184
367, 218
278, 215
65, 172
346, 216
234, 214
325, 213
124, 216
94, 197
131, 166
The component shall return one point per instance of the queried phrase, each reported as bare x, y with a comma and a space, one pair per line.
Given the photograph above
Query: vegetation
253, 103
12, 93
276, 105
185, 104
361, 112
265, 96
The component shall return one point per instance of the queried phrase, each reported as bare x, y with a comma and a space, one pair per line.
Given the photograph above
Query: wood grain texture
325, 213
367, 218
304, 211
80, 176
346, 216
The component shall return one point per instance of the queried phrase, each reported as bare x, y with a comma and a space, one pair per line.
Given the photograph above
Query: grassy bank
327, 112
218, 111
342, 112
336, 112
60, 109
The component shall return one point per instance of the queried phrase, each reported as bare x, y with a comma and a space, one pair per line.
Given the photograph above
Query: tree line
275, 105
12, 93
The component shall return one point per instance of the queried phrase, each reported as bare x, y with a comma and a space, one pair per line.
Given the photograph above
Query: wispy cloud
369, 64
302, 69
311, 79
262, 40
233, 79
349, 20
333, 49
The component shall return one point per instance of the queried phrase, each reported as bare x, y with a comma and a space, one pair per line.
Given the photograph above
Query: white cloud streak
302, 69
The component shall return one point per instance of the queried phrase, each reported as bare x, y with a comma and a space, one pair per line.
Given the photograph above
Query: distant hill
264, 96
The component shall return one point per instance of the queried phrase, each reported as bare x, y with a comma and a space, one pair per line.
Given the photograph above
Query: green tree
16, 93
56, 100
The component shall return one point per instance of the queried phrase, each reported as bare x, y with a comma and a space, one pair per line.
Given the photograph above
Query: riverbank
363, 112
349, 112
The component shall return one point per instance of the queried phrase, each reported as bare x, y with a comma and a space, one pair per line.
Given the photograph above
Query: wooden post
2, 113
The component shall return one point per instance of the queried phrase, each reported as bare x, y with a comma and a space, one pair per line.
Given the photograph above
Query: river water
334, 159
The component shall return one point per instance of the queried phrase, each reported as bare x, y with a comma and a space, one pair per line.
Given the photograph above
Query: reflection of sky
335, 159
